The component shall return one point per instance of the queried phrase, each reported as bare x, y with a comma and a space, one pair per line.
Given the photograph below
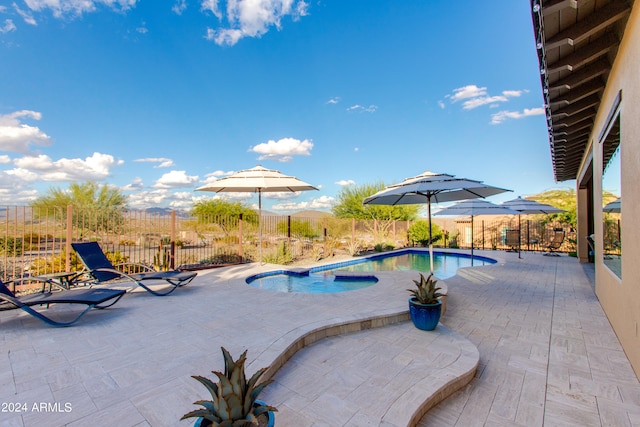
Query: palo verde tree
350, 204
95, 208
223, 213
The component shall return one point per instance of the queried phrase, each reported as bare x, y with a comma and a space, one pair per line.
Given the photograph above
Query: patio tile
527, 318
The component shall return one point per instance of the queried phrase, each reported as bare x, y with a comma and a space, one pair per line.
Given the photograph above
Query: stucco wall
620, 299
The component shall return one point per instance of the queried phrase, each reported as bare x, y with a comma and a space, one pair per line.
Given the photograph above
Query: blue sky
160, 97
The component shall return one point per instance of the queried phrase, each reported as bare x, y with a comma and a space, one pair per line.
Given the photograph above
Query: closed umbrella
258, 180
526, 206
430, 187
474, 208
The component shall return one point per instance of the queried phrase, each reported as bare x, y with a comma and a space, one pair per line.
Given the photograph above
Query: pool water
445, 265
323, 279
313, 283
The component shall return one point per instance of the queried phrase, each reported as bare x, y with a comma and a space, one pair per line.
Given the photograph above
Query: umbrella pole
471, 239
260, 223
519, 236
430, 242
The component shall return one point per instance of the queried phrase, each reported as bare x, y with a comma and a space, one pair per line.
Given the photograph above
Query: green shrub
282, 256
419, 233
10, 246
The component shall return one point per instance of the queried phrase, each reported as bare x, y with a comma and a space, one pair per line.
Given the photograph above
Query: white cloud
143, 29
249, 18
5, 159
163, 162
135, 185
482, 100
360, 108
94, 168
8, 26
501, 116
179, 7
465, 92
321, 203
283, 150
15, 196
474, 96
16, 136
441, 104
345, 182
334, 100
175, 179
61, 8
26, 16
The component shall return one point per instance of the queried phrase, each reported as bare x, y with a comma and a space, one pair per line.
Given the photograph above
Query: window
611, 196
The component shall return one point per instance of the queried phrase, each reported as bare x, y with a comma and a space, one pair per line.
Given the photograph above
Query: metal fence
37, 241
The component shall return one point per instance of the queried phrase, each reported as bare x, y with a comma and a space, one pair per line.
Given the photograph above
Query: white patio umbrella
430, 187
258, 180
526, 206
613, 207
474, 208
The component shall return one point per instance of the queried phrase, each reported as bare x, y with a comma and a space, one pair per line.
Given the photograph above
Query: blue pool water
359, 272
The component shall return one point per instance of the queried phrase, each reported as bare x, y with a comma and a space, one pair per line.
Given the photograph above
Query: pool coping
407, 409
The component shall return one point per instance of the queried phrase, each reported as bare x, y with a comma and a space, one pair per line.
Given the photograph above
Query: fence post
483, 234
324, 226
68, 237
240, 249
172, 240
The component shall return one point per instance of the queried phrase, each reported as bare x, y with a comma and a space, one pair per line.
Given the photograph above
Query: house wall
620, 298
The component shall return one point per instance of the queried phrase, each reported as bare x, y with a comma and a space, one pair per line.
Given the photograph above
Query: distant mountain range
300, 214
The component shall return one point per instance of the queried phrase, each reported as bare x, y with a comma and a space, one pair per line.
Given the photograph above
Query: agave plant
426, 291
233, 399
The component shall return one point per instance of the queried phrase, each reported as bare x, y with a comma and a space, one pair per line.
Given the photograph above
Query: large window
611, 200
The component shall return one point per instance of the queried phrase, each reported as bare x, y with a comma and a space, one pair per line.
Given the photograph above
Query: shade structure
258, 180
474, 208
613, 207
526, 206
430, 187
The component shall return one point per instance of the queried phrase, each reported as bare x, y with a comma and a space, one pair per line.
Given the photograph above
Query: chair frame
555, 242
104, 272
94, 298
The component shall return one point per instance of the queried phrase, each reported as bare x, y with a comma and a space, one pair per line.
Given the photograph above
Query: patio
544, 349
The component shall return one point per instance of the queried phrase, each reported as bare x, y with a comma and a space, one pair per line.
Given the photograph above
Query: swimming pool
357, 274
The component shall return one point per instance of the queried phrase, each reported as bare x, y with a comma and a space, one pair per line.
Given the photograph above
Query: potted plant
425, 306
233, 399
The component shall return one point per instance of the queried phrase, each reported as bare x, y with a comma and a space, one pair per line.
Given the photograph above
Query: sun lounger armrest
144, 267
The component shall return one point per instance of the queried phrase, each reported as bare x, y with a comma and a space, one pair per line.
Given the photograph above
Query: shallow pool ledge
431, 383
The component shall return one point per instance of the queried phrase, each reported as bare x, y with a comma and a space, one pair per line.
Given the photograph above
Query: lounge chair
103, 271
513, 240
92, 298
556, 241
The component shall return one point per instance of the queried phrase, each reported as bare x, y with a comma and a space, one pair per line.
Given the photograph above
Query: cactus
426, 291
233, 398
162, 259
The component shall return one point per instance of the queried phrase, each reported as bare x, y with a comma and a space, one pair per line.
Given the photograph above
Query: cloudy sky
160, 98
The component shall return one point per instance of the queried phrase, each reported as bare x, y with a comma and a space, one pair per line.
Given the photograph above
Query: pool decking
545, 350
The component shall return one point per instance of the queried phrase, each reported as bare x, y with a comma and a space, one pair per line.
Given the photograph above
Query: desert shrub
10, 246
281, 256
419, 233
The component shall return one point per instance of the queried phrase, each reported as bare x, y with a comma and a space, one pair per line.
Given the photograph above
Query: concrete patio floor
544, 350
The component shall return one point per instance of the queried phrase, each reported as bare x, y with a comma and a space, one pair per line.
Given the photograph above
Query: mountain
311, 214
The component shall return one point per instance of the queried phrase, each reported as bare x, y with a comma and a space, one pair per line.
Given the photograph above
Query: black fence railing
37, 241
